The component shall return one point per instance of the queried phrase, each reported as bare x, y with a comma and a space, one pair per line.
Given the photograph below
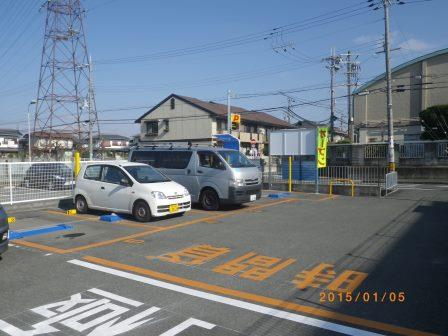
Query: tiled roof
220, 110
10, 132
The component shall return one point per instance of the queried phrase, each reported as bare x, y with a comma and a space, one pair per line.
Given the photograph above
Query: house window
221, 125
152, 128
173, 103
251, 128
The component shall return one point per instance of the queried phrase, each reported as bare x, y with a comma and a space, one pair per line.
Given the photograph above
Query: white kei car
128, 187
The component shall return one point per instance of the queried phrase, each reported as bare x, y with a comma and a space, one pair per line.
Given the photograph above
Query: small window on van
93, 173
175, 159
210, 160
148, 157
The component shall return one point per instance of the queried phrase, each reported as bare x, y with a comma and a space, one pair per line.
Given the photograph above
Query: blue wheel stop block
110, 218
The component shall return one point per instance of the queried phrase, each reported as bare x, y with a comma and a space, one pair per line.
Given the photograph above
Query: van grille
165, 208
251, 181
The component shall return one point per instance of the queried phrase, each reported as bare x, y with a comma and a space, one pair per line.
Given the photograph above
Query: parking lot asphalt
302, 265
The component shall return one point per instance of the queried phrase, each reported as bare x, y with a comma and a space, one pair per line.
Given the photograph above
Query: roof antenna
171, 145
189, 144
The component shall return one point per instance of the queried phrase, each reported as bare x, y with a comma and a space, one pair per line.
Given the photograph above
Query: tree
435, 122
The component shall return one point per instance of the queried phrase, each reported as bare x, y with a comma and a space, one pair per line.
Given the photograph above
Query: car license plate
174, 208
253, 198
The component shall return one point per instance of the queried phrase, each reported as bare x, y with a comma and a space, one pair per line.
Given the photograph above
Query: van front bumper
238, 195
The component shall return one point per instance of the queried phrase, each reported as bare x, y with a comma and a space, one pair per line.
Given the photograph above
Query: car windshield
146, 174
236, 159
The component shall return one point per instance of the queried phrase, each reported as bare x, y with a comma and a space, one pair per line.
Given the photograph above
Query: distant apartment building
9, 143
416, 85
185, 119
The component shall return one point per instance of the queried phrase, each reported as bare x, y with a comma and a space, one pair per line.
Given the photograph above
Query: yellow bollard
11, 220
77, 163
290, 174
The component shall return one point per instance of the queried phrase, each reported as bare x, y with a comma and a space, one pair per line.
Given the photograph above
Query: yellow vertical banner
77, 163
322, 140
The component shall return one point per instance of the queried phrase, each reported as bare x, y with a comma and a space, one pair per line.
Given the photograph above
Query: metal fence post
269, 172
11, 200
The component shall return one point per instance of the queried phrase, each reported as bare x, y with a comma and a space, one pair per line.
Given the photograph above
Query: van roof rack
172, 145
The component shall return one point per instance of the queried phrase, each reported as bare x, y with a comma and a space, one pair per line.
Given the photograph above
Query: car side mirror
125, 182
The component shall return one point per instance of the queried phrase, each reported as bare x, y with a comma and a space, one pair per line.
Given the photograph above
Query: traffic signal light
234, 126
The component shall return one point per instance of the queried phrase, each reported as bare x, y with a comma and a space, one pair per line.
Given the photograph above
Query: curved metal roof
399, 67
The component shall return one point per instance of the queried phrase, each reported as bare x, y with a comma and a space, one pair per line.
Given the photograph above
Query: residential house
111, 146
9, 143
185, 119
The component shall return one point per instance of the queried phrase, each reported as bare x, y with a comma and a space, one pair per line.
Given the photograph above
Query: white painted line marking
401, 188
48, 254
115, 297
187, 324
281, 314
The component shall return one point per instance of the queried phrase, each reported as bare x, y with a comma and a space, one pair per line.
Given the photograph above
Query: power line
326, 18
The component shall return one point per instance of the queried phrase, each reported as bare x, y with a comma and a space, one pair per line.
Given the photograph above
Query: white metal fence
32, 181
22, 182
360, 175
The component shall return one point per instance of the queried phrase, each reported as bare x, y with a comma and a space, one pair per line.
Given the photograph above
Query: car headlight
186, 192
237, 183
158, 194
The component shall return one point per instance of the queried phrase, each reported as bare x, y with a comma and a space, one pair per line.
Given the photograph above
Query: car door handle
102, 188
200, 171
188, 171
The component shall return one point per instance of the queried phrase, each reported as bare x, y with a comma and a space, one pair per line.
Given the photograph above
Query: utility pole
390, 115
288, 114
90, 111
352, 73
229, 118
333, 65
349, 96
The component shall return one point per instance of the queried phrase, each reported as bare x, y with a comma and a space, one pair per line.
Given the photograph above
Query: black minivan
4, 227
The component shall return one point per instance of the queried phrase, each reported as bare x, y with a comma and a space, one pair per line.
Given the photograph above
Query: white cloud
366, 39
415, 45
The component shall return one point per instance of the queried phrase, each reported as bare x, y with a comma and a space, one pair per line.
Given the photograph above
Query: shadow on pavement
409, 254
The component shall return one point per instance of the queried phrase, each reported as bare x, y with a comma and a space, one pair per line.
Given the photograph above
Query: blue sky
129, 28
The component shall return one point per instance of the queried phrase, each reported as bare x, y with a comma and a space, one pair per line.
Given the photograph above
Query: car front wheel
142, 212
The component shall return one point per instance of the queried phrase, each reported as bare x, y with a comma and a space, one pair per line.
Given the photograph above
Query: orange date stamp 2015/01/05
362, 297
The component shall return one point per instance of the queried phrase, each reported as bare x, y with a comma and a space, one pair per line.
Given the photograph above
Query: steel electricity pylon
65, 105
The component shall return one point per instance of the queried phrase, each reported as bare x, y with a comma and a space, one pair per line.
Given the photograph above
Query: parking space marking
327, 198
84, 217
253, 266
324, 274
149, 232
193, 255
252, 301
